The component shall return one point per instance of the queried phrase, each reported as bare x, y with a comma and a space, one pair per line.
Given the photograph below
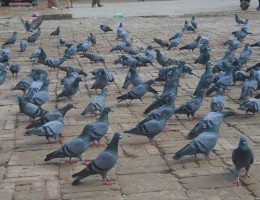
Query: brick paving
143, 171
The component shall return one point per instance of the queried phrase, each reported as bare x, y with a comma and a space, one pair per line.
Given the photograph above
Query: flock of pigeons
215, 80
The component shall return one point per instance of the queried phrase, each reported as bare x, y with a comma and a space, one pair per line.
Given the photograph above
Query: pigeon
105, 28
101, 126
144, 59
15, 68
128, 61
84, 46
39, 53
135, 51
239, 76
2, 77
220, 66
218, 101
121, 33
54, 62
62, 41
202, 144
149, 52
164, 61
179, 34
51, 115
70, 51
223, 82
71, 89
204, 56
152, 128
257, 44
40, 74
3, 66
188, 27
95, 58
204, 41
174, 43
73, 69
35, 36
249, 86
101, 80
238, 20
92, 39
191, 105
56, 32
250, 105
32, 25
23, 45
128, 41
97, 103
12, 39
24, 83
245, 54
75, 147
233, 43
194, 22
242, 157
96, 72
192, 45
119, 47
50, 129
205, 80
104, 162
207, 122
40, 97
35, 87
30, 109
137, 92
5, 54
240, 34
161, 42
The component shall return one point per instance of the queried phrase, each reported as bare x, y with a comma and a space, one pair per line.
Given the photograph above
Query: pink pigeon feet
85, 162
237, 181
108, 181
166, 128
99, 144
71, 161
247, 175
153, 142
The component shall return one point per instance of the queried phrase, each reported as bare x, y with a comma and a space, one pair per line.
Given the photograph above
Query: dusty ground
143, 171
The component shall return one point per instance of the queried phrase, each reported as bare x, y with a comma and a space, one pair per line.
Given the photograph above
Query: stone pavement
143, 171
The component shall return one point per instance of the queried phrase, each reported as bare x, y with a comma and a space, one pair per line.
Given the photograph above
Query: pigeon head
220, 91
89, 127
91, 34
113, 145
15, 33
186, 22
252, 73
243, 143
69, 106
107, 109
247, 45
150, 82
193, 17
200, 93
149, 47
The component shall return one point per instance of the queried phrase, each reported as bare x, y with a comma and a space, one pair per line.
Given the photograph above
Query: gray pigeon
152, 127
204, 56
5, 54
105, 28
35, 36
51, 115
54, 62
119, 47
161, 42
207, 122
23, 45
192, 45
128, 61
35, 87
12, 39
51, 129
39, 54
121, 33
134, 51
70, 51
30, 26
97, 103
56, 32
84, 46
179, 34
62, 41
174, 43
249, 86
222, 63
191, 105
164, 61
218, 101
149, 52
71, 89
257, 44
202, 144
137, 92
95, 58
24, 83
242, 157
101, 80
73, 69
239, 20
3, 66
75, 147
251, 105
104, 162
101, 126
240, 34
233, 43
188, 27
245, 54
92, 39
194, 22
128, 41
15, 68
205, 80
110, 76
2, 77
30, 109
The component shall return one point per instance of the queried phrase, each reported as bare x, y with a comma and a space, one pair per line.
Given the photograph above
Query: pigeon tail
83, 173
